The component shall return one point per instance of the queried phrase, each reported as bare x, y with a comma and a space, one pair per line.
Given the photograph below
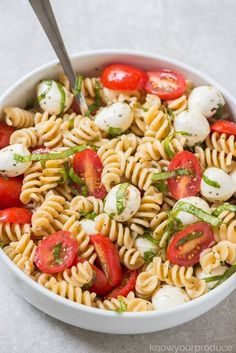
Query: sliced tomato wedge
185, 247
88, 165
185, 185
10, 189
5, 134
56, 252
224, 127
121, 77
127, 285
166, 84
15, 215
100, 284
108, 257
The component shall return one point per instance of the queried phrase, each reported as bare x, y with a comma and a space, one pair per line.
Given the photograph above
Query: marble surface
199, 32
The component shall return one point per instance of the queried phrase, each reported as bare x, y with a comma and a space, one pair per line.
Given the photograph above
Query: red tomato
88, 165
15, 215
56, 252
224, 127
122, 77
185, 247
166, 84
5, 134
185, 185
10, 189
100, 283
108, 257
127, 285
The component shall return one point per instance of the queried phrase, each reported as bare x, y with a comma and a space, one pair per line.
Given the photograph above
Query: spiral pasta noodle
227, 229
28, 137
84, 205
31, 189
85, 248
131, 258
77, 276
213, 158
221, 142
177, 105
18, 118
51, 132
51, 175
12, 231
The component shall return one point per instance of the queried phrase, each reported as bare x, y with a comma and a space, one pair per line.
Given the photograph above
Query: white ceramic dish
80, 315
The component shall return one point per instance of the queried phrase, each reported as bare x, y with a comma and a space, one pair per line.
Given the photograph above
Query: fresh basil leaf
114, 131
78, 85
56, 253
166, 145
219, 111
210, 182
170, 174
43, 94
148, 236
1, 245
184, 133
121, 196
225, 207
63, 97
228, 273
89, 215
148, 256
123, 306
189, 237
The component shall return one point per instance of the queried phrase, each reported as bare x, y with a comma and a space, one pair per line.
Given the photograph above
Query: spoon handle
44, 12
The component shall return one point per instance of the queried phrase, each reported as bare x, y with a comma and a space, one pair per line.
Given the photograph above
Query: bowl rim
192, 304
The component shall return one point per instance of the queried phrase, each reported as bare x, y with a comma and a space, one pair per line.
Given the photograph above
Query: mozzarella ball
88, 226
143, 245
8, 165
129, 200
187, 218
225, 189
53, 97
169, 296
206, 99
116, 116
193, 123
218, 271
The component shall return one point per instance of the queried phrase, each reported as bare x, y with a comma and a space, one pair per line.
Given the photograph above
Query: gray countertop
198, 32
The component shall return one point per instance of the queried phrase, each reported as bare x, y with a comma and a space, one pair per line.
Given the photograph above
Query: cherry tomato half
15, 215
10, 189
224, 127
100, 283
56, 252
185, 185
122, 77
5, 134
185, 247
127, 285
166, 84
88, 165
108, 257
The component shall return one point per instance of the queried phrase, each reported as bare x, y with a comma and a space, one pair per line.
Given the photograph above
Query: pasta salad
126, 201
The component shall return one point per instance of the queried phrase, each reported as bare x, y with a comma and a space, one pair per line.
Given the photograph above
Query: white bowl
81, 315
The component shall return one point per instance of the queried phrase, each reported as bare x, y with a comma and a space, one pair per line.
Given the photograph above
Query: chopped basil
43, 94
148, 236
170, 174
219, 111
191, 236
71, 123
1, 244
78, 85
114, 131
63, 97
148, 256
75, 178
56, 253
121, 197
29, 104
162, 187
166, 145
169, 112
198, 212
123, 306
97, 100
89, 215
210, 182
221, 278
48, 156
224, 207
145, 109
184, 133
84, 190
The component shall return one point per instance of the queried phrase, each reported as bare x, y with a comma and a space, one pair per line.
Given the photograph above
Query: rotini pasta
18, 118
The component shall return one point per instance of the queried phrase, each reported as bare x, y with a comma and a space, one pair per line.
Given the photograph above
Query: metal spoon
44, 12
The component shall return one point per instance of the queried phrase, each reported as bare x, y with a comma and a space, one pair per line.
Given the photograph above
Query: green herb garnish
56, 253
162, 187
184, 133
121, 197
114, 131
148, 236
170, 174
191, 236
225, 207
123, 306
198, 212
148, 256
88, 215
78, 85
166, 145
63, 97
43, 94
48, 156
97, 100
1, 244
210, 182
221, 278
71, 123
219, 111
